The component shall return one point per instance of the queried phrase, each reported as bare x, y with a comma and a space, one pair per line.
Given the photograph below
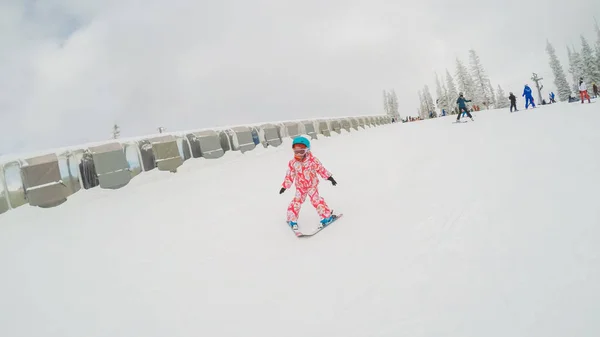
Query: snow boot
294, 225
326, 221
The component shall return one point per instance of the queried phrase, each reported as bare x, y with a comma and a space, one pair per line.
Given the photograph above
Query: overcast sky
70, 69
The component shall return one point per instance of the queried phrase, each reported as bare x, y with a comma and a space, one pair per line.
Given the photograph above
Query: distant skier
528, 97
595, 90
513, 102
552, 97
462, 106
572, 99
304, 170
583, 91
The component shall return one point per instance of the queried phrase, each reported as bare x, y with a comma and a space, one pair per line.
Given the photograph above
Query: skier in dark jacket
595, 90
513, 102
462, 106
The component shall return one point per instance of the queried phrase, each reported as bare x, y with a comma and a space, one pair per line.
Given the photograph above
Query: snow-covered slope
488, 228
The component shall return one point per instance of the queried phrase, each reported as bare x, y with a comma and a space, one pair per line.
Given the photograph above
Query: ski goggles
300, 151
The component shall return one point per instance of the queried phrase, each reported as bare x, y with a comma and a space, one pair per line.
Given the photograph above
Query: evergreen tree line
390, 104
583, 63
472, 81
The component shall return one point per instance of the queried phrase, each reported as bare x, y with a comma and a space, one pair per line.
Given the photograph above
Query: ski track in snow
487, 228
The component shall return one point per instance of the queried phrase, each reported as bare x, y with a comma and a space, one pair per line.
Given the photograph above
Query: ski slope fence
49, 178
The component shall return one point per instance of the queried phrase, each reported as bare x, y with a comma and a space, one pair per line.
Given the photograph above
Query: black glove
333, 182
281, 190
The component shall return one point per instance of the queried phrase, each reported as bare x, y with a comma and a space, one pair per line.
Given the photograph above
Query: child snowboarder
304, 170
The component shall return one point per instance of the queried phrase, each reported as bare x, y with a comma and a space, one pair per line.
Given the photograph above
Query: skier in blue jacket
528, 97
462, 107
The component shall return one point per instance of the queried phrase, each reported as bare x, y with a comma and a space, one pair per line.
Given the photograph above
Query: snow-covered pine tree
591, 73
116, 133
501, 98
422, 106
560, 79
441, 99
452, 93
480, 79
390, 103
570, 68
393, 104
465, 82
575, 67
493, 102
446, 104
385, 103
438, 86
429, 104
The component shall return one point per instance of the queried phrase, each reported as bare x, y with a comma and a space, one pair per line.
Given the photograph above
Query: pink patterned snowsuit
304, 175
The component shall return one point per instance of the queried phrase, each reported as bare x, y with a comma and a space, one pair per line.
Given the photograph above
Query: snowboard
303, 235
458, 122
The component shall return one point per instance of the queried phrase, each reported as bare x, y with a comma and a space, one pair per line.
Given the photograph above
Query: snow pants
463, 111
318, 203
513, 105
584, 94
529, 101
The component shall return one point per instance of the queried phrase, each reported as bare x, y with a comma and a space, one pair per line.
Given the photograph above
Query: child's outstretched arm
290, 175
321, 170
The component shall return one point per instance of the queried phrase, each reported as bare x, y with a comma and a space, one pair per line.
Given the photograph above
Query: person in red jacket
304, 171
583, 91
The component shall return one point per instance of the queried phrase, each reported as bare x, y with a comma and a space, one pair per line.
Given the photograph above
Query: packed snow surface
487, 228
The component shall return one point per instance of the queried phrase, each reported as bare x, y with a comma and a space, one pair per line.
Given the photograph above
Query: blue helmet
301, 140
